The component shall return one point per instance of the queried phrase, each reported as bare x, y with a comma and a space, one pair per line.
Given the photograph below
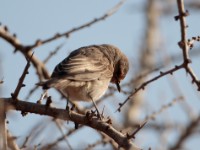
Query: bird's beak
118, 86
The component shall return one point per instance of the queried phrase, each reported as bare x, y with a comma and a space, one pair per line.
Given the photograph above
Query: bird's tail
47, 84
44, 84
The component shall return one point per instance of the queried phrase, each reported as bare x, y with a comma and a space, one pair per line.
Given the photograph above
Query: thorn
128, 136
67, 35
89, 115
188, 61
14, 35
176, 18
186, 13
12, 95
103, 111
48, 102
73, 107
6, 28
24, 113
176, 67
57, 35
109, 121
194, 38
15, 50
76, 125
38, 42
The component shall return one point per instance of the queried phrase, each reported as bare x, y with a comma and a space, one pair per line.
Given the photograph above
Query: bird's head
121, 68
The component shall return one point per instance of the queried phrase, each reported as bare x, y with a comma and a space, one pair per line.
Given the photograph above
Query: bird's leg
98, 113
45, 94
67, 106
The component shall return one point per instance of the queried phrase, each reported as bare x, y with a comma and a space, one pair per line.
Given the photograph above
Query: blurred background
145, 31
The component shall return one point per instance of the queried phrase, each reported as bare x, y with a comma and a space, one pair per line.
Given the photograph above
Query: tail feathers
44, 84
48, 84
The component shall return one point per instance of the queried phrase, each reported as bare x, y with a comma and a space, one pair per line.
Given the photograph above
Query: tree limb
92, 122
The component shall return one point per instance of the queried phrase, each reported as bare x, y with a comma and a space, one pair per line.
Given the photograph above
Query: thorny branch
26, 50
184, 45
92, 122
142, 86
164, 107
189, 130
21, 80
136, 131
61, 138
12, 39
67, 34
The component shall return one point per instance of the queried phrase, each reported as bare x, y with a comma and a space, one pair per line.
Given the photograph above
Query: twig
3, 128
93, 122
91, 146
136, 131
44, 62
163, 108
63, 134
31, 92
143, 85
25, 142
1, 81
21, 80
53, 53
190, 42
61, 138
186, 134
66, 34
185, 51
183, 43
12, 144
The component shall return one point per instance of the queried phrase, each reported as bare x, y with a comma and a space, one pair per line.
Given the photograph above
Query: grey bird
86, 73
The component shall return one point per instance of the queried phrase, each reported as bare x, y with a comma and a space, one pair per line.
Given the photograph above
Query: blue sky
31, 20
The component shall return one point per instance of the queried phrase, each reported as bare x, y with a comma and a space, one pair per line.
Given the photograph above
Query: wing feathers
83, 68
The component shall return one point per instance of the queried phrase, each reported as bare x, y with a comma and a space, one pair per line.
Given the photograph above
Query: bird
86, 73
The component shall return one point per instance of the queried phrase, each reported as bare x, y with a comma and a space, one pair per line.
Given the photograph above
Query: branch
186, 134
143, 85
61, 138
184, 44
12, 142
3, 133
136, 131
163, 108
12, 39
4, 34
92, 122
88, 24
21, 80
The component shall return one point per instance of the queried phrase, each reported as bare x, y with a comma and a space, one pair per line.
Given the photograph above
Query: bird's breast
84, 91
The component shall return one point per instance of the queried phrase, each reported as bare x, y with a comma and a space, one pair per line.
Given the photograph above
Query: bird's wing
82, 67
